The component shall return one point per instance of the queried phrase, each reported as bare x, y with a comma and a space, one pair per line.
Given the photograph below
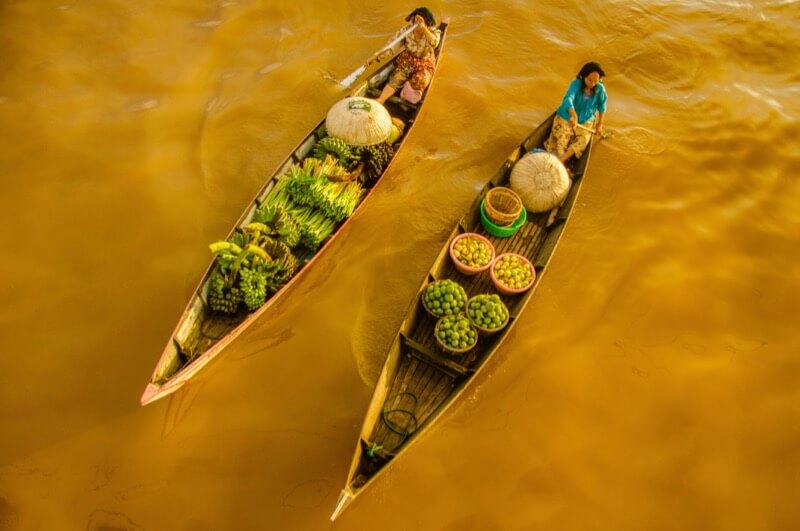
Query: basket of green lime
444, 297
487, 313
455, 334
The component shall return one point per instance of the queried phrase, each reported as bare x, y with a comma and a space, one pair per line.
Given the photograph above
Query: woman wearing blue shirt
586, 97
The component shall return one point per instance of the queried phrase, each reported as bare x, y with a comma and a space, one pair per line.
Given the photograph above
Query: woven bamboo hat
359, 121
540, 180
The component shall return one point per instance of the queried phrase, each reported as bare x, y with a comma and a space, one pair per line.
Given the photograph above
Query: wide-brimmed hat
359, 121
540, 180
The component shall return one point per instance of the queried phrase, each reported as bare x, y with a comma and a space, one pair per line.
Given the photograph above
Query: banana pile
303, 208
331, 145
309, 184
375, 159
313, 226
280, 223
249, 267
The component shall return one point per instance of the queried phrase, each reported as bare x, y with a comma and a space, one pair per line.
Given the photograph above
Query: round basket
429, 310
502, 288
464, 268
359, 121
497, 230
449, 349
483, 329
502, 206
540, 180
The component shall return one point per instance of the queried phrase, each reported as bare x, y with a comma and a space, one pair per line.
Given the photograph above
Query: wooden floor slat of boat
405, 372
430, 406
429, 386
208, 331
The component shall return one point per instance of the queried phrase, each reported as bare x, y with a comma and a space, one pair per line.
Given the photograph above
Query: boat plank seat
428, 355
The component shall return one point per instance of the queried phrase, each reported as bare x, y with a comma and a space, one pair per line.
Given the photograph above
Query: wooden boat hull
419, 382
200, 335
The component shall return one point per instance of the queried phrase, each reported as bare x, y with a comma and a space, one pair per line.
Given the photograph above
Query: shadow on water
111, 521
9, 517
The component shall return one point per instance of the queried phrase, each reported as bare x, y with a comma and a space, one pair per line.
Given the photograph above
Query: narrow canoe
202, 334
419, 382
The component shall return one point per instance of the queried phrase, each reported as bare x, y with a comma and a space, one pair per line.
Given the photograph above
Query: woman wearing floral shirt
417, 61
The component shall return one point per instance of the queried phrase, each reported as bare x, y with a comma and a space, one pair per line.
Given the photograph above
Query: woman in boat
585, 98
416, 62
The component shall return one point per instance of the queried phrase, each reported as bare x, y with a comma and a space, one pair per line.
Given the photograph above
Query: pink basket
410, 94
502, 288
464, 268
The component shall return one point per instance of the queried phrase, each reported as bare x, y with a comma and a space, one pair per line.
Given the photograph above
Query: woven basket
502, 288
461, 266
483, 329
447, 348
430, 311
502, 206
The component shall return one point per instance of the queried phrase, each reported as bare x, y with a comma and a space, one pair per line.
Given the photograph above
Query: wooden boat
201, 334
419, 382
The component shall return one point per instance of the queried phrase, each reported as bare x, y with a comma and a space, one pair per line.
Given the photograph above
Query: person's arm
573, 118
598, 128
568, 102
431, 36
389, 52
601, 111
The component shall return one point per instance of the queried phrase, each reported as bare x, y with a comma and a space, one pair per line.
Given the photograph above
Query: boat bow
345, 497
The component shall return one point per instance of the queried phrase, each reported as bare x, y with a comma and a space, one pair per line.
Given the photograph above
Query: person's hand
573, 122
599, 130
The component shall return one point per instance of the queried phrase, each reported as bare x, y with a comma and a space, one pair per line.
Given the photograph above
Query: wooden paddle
350, 79
602, 137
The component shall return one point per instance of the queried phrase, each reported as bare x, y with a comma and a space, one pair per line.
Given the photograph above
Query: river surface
653, 383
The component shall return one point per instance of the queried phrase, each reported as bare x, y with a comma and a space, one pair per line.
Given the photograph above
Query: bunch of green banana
279, 196
283, 265
298, 186
331, 145
266, 276
336, 200
309, 185
280, 222
227, 253
314, 226
222, 298
250, 266
329, 168
346, 199
253, 285
375, 159
224, 294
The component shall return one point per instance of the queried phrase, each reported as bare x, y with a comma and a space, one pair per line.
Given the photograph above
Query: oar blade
349, 80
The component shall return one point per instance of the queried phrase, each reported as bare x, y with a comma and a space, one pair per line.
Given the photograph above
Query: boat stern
153, 392
345, 497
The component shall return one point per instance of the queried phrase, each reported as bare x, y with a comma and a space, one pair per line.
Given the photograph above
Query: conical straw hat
359, 121
540, 180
